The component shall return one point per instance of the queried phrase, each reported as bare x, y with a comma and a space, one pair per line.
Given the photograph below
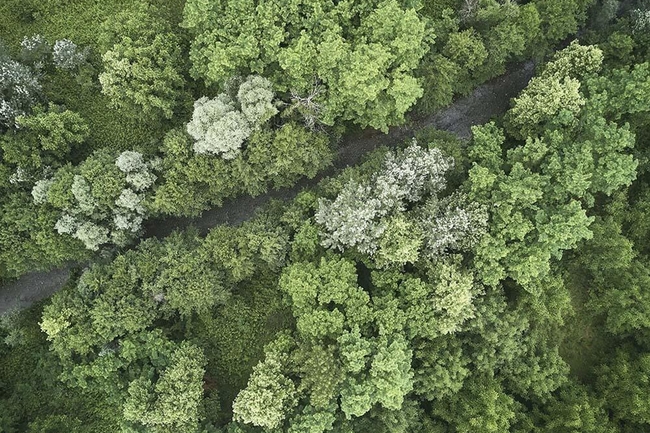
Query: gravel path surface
485, 102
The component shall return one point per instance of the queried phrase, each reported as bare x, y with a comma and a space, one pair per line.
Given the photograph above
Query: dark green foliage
32, 398
44, 138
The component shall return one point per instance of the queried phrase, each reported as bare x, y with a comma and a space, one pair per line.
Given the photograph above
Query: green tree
45, 138
270, 394
363, 55
624, 382
172, 402
480, 406
142, 62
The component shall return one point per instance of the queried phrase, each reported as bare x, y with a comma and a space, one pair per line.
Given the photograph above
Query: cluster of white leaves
450, 224
405, 177
94, 225
92, 235
86, 203
139, 174
352, 220
19, 89
18, 176
220, 128
128, 222
129, 161
640, 20
255, 97
40, 189
67, 55
355, 217
130, 200
35, 50
362, 212
67, 224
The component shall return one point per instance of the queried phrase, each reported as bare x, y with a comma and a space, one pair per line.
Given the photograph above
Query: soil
484, 103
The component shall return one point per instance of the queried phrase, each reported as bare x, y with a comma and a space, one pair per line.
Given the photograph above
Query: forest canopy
498, 282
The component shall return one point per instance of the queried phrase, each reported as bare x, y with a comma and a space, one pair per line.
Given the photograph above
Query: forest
446, 284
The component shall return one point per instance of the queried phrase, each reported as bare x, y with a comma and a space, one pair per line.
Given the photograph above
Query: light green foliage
620, 276
440, 368
465, 49
142, 62
363, 54
125, 297
438, 305
288, 153
560, 19
27, 239
391, 373
220, 128
538, 370
32, 398
467, 52
575, 411
577, 61
624, 91
241, 251
535, 213
106, 330
269, 395
255, 98
330, 307
624, 382
544, 99
400, 242
278, 158
555, 93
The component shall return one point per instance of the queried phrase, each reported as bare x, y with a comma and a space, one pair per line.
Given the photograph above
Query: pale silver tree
86, 203
92, 235
35, 51
371, 216
67, 224
129, 161
19, 90
255, 98
67, 55
40, 189
218, 127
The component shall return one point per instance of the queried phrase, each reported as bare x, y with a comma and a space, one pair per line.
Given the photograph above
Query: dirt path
484, 103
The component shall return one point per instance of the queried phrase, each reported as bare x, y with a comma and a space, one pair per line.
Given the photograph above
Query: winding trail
484, 103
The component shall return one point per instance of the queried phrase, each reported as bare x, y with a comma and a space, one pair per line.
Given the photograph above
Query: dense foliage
495, 284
